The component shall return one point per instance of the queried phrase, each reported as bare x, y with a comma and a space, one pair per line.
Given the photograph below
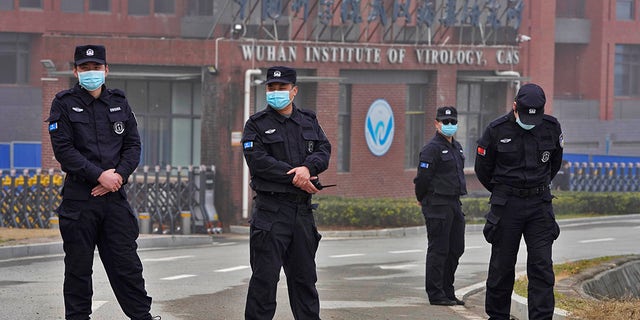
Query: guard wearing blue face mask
95, 138
438, 186
285, 149
517, 158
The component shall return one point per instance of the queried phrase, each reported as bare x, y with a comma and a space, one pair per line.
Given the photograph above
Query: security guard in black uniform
439, 184
517, 157
95, 138
285, 149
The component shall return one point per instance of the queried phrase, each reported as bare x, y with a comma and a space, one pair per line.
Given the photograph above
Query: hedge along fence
393, 213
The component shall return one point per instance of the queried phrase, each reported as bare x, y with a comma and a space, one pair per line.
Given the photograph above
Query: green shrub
393, 213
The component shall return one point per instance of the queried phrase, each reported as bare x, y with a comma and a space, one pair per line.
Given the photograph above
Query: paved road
372, 278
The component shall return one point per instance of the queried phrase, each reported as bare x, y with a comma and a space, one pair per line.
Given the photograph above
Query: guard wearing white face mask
95, 138
285, 149
438, 186
517, 157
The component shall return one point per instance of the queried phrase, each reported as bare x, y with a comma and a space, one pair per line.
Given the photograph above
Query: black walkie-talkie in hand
316, 183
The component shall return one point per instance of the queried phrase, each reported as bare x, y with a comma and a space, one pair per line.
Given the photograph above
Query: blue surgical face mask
278, 99
524, 125
449, 129
91, 80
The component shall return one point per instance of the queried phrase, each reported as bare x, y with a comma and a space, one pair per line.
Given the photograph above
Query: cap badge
89, 52
532, 111
277, 74
447, 112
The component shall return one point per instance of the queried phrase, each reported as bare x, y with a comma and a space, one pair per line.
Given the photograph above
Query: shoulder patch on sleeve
482, 151
424, 165
247, 145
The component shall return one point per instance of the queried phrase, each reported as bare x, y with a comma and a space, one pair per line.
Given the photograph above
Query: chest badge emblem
76, 109
118, 127
545, 156
270, 131
505, 140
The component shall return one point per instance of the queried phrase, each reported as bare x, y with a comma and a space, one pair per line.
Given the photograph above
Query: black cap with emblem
281, 74
444, 113
530, 102
90, 53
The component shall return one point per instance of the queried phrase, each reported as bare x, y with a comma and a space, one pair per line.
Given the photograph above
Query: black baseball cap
444, 113
281, 74
530, 102
90, 53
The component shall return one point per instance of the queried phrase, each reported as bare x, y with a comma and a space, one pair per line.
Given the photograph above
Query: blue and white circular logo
379, 127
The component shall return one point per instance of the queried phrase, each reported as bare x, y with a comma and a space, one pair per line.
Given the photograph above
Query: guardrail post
145, 222
186, 222
54, 223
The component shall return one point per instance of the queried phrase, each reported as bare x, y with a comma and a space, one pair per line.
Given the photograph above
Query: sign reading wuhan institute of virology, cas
373, 55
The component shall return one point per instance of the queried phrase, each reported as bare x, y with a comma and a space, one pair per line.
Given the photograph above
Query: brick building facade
184, 67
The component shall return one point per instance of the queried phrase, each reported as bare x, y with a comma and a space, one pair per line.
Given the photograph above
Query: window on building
625, 10
14, 58
414, 125
164, 6
6, 5
37, 4
139, 7
627, 70
168, 114
100, 5
344, 129
469, 100
72, 6
200, 8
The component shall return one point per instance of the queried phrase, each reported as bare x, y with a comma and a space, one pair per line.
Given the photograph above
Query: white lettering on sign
372, 55
507, 57
269, 53
444, 56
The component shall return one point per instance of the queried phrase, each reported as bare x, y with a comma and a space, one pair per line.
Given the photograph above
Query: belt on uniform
290, 197
523, 193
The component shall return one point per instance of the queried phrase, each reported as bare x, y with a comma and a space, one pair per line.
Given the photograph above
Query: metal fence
607, 176
169, 200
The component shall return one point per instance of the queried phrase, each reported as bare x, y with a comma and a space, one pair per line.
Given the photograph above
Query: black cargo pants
108, 223
510, 218
283, 234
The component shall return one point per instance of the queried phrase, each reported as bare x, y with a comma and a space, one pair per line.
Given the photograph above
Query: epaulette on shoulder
308, 112
63, 93
499, 121
551, 119
117, 92
258, 114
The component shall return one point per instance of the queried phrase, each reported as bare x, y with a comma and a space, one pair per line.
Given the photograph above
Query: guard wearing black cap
95, 138
438, 185
285, 149
517, 157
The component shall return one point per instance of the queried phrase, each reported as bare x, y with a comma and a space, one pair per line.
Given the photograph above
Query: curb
144, 242
389, 233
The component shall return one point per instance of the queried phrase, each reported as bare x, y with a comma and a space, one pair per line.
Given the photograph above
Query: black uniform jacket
509, 155
91, 135
440, 171
274, 144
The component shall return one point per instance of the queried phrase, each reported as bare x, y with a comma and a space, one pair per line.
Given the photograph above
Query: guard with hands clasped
517, 157
285, 149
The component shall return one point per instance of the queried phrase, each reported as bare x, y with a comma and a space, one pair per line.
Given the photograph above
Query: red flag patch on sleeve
482, 151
